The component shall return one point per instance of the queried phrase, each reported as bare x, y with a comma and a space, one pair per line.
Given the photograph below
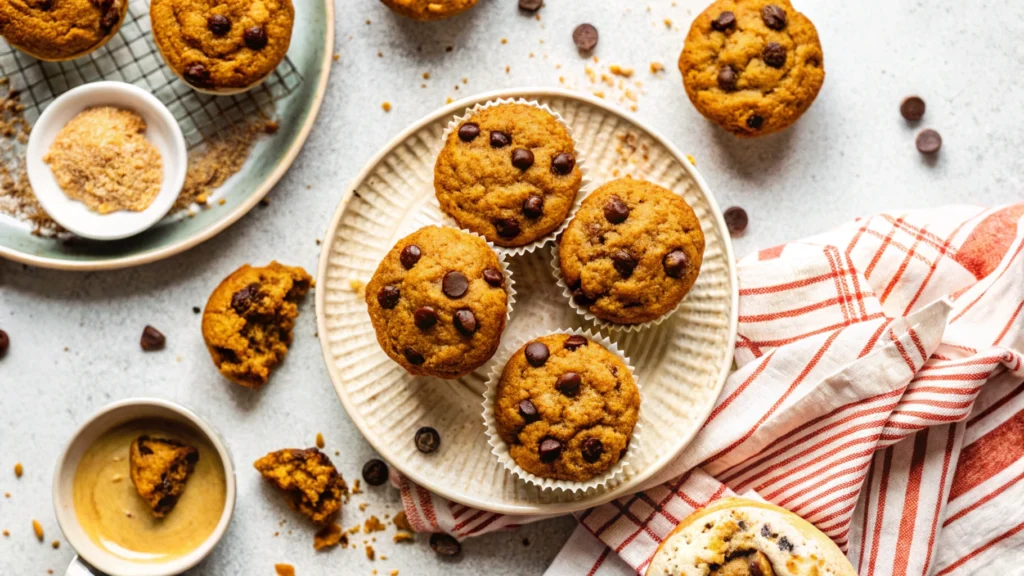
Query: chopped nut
56, 544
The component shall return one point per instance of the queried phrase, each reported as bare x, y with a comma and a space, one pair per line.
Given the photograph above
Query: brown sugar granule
19, 469
400, 537
284, 569
38, 529
402, 522
219, 158
328, 537
103, 159
319, 440
373, 524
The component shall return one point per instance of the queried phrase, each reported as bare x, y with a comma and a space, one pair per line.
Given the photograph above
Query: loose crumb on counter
284, 569
369, 552
38, 529
19, 470
329, 536
373, 524
319, 440
657, 67
386, 106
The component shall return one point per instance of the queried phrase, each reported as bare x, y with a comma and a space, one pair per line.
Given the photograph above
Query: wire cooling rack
132, 56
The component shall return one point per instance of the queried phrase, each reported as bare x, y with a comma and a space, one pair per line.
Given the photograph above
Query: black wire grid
132, 56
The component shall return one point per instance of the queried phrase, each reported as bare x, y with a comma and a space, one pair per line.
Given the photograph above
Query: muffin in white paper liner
580, 163
500, 449
556, 266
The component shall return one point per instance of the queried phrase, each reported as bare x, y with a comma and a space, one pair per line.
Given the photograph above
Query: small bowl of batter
145, 488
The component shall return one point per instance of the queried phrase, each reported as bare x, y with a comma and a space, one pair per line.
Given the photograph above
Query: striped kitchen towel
879, 394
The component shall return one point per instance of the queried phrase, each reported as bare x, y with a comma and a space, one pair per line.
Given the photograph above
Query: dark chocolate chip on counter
196, 310
563, 163
533, 207
528, 411
550, 450
469, 131
5, 343
413, 357
774, 55
427, 440
530, 5
536, 354
410, 256
592, 449
912, 108
675, 264
465, 321
585, 37
569, 384
507, 227
152, 339
774, 17
444, 544
615, 210
388, 297
425, 317
218, 24
375, 472
455, 284
929, 142
736, 220
500, 139
724, 21
574, 342
494, 277
522, 158
727, 78
255, 37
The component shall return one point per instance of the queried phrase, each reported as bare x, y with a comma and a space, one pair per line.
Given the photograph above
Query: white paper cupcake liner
556, 267
580, 163
500, 449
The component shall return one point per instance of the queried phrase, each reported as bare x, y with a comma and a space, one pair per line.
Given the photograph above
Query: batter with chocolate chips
60, 29
222, 45
632, 252
566, 407
508, 173
438, 302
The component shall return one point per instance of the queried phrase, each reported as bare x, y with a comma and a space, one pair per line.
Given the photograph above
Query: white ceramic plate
681, 364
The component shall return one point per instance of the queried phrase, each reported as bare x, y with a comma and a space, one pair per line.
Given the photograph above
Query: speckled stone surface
74, 337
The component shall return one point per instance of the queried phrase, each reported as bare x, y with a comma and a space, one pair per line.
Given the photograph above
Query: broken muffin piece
160, 467
311, 484
248, 321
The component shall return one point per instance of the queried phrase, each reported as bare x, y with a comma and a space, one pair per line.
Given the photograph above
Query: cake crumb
691, 159
394, 573
386, 106
284, 569
401, 536
402, 522
19, 470
38, 529
337, 56
355, 487
373, 524
319, 440
56, 544
426, 75
620, 71
668, 22
328, 537
657, 67
369, 552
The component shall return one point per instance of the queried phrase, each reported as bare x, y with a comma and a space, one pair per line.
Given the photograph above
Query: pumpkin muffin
159, 469
752, 66
426, 10
566, 408
308, 479
222, 46
58, 30
248, 321
508, 173
438, 302
632, 252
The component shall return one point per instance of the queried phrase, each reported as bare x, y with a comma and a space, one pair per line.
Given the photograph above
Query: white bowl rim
178, 565
568, 507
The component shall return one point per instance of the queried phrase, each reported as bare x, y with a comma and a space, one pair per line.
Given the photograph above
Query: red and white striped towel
880, 395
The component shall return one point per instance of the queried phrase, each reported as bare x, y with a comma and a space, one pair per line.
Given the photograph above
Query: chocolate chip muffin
159, 469
752, 66
249, 318
438, 302
426, 10
58, 30
566, 408
308, 479
509, 173
632, 252
222, 46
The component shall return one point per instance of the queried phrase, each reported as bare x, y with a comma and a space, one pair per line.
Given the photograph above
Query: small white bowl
162, 131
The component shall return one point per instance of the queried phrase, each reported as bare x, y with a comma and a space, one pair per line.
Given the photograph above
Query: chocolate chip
574, 342
5, 343
755, 567
929, 142
585, 37
425, 317
410, 256
469, 131
533, 207
218, 24
675, 264
444, 545
375, 472
550, 450
615, 210
45, 5
427, 440
724, 21
774, 55
774, 17
736, 220
110, 18
536, 354
507, 227
465, 321
522, 158
528, 411
530, 5
563, 163
413, 357
755, 122
766, 532
255, 37
500, 139
785, 545
581, 298
196, 310
727, 78
742, 525
494, 277
454, 285
388, 297
624, 263
197, 75
152, 339
592, 449
569, 384
242, 300
912, 108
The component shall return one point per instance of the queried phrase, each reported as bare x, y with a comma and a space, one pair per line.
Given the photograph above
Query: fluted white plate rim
638, 480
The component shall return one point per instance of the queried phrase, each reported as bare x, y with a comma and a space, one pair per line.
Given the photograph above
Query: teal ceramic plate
296, 91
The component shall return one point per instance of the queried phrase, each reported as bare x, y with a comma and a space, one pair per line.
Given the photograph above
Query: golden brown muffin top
60, 29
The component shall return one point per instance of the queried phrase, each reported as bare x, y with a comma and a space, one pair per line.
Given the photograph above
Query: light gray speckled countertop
75, 336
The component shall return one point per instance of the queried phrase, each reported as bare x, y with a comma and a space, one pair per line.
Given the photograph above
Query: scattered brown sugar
219, 158
19, 469
103, 159
330, 536
373, 524
369, 552
38, 529
386, 106
400, 537
284, 569
319, 440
